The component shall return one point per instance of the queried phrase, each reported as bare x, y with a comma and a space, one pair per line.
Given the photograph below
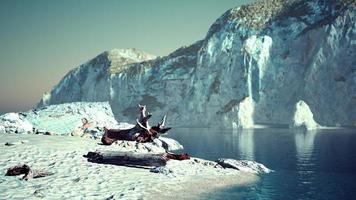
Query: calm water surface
308, 165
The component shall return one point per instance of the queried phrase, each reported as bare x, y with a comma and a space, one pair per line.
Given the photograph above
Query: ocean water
307, 165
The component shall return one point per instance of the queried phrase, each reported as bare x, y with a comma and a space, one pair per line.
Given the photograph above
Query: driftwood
141, 132
172, 156
133, 159
27, 171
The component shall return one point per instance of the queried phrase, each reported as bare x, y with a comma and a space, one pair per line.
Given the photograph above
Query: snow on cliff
255, 63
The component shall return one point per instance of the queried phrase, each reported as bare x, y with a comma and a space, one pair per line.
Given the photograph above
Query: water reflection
308, 165
245, 143
304, 142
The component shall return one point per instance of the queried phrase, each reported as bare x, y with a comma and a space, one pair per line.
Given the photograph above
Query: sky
41, 40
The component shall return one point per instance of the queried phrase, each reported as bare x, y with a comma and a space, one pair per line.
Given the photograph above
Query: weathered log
27, 171
133, 159
126, 158
112, 135
171, 156
141, 132
17, 170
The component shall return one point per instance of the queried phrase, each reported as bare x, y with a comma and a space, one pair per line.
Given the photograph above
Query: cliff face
279, 53
254, 65
91, 80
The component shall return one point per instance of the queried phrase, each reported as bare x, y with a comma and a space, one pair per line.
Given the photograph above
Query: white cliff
91, 80
255, 63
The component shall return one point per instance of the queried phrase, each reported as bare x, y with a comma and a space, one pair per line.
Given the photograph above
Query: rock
187, 167
88, 136
77, 132
66, 119
39, 193
162, 170
303, 117
167, 143
2, 129
16, 143
160, 145
48, 133
267, 52
241, 115
197, 166
27, 171
111, 197
97, 132
17, 170
244, 165
93, 76
9, 144
15, 123
76, 119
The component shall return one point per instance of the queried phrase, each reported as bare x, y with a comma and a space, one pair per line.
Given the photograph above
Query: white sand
75, 178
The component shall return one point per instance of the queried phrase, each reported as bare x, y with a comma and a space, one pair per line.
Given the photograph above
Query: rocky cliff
255, 63
91, 80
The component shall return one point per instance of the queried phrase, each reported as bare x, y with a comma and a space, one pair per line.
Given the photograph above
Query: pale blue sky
41, 40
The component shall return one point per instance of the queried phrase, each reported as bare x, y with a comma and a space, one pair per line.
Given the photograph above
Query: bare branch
143, 111
162, 122
164, 130
142, 126
145, 119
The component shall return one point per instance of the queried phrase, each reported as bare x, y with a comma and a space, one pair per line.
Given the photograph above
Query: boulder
196, 166
159, 145
303, 117
15, 123
244, 165
2, 129
74, 119
167, 143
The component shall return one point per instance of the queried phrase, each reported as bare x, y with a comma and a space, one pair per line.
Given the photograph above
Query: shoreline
75, 177
202, 186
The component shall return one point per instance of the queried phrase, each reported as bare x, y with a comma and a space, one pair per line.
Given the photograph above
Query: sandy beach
76, 178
